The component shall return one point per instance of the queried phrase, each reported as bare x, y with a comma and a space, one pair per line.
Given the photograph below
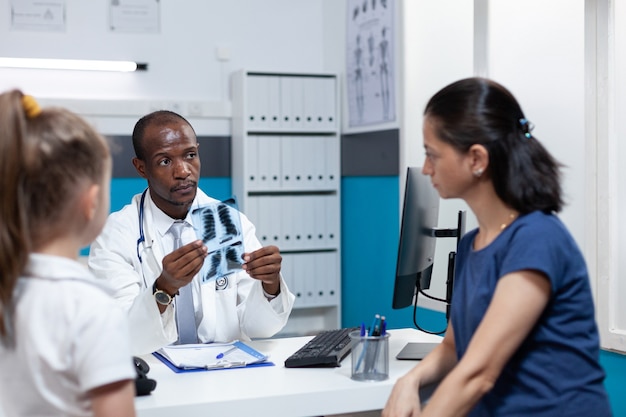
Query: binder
273, 102
269, 163
255, 101
329, 105
289, 163
252, 165
210, 356
332, 158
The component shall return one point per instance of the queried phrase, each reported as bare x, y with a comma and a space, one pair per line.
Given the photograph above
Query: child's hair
480, 111
45, 156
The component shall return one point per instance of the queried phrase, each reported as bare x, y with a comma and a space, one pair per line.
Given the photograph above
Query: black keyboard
326, 349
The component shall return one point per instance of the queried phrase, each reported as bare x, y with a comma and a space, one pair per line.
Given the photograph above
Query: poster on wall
46, 16
138, 16
370, 71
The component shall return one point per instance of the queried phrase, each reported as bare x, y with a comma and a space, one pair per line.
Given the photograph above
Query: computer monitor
416, 250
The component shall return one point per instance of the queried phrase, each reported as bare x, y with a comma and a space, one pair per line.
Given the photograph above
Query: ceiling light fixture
72, 64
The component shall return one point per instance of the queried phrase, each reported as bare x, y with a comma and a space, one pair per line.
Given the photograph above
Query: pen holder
370, 357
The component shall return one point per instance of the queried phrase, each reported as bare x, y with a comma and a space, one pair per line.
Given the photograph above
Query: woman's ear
478, 158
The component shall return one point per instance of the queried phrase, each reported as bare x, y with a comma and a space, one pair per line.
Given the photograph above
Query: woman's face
449, 170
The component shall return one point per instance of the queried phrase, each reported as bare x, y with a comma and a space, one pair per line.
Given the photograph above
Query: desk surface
274, 390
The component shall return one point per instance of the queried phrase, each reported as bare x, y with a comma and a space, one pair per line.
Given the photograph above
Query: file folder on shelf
210, 356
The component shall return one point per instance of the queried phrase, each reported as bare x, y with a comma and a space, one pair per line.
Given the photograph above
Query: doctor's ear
140, 167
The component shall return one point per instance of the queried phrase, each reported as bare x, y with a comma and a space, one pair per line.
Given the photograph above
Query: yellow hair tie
31, 108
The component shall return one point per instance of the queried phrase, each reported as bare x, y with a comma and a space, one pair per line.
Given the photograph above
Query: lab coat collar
161, 221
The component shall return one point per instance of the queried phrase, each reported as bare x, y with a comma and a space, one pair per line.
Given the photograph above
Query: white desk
273, 390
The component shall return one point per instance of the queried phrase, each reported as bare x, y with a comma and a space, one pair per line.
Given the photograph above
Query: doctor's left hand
264, 264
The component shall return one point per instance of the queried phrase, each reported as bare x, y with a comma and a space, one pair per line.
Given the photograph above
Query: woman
522, 338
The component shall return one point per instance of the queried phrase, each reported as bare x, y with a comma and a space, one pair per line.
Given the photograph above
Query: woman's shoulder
538, 222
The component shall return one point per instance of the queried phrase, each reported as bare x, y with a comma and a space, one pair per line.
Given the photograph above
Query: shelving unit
286, 177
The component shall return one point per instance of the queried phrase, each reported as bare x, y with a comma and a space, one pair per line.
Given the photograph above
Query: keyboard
326, 349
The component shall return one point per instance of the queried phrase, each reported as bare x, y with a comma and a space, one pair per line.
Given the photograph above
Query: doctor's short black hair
159, 118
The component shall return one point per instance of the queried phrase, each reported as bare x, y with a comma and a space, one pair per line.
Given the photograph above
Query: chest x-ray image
219, 227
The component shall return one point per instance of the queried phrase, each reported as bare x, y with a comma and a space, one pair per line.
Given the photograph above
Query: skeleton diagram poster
370, 72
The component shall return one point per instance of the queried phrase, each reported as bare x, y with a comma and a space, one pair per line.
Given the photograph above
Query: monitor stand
416, 351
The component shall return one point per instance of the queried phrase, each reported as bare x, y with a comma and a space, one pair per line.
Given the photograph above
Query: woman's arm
404, 399
114, 400
519, 300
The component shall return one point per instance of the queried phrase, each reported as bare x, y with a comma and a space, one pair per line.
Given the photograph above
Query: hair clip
31, 108
527, 127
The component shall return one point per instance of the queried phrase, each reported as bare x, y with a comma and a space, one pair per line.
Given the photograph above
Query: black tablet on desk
416, 351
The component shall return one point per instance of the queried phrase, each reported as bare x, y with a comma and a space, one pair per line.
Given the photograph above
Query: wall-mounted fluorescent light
72, 64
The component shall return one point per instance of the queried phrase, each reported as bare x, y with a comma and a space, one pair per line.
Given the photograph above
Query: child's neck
63, 246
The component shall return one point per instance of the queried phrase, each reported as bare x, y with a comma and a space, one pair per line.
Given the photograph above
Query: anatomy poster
370, 71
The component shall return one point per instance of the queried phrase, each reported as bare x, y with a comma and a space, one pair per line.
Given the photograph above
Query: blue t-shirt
555, 372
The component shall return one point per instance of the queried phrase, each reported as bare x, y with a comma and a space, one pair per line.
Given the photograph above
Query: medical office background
565, 61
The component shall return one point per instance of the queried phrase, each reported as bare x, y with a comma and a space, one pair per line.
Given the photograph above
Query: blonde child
64, 347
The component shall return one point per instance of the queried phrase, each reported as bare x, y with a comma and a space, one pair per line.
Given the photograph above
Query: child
64, 346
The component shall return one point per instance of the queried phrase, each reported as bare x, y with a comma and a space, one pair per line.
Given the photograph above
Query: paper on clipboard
205, 356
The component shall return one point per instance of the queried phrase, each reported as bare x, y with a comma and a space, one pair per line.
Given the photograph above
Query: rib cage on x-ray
221, 233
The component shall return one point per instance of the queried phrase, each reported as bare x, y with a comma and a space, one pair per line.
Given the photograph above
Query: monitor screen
416, 250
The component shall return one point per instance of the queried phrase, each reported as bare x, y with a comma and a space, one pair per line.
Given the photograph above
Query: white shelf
286, 176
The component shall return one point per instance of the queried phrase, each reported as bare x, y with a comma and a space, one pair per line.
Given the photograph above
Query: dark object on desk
326, 349
415, 351
143, 384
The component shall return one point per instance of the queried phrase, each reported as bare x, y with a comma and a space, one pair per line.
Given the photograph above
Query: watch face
162, 298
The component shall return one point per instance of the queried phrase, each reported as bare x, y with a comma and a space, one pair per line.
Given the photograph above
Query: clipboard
210, 356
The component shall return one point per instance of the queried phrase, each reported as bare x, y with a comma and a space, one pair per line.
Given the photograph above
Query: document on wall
31, 15
138, 16
211, 355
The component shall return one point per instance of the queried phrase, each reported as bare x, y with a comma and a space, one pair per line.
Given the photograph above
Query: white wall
437, 48
519, 45
273, 35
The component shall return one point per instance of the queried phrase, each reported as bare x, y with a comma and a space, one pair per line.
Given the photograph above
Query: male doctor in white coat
135, 251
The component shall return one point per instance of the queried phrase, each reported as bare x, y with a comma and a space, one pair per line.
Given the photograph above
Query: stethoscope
142, 237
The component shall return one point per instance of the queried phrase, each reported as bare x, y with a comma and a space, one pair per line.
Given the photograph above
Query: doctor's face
171, 166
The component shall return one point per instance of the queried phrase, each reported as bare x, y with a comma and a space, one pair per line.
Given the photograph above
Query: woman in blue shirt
522, 338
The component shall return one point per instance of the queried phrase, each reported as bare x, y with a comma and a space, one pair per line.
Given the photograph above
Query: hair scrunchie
31, 107
526, 127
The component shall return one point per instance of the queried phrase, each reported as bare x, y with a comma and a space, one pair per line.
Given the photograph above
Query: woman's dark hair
481, 111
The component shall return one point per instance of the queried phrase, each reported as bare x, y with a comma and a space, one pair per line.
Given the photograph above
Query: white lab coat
239, 311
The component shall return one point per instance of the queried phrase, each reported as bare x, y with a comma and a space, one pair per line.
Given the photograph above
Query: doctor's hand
264, 264
180, 266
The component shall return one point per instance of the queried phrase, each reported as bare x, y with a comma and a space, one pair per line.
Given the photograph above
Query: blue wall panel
370, 221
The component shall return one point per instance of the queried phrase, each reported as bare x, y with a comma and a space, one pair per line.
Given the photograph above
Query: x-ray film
219, 227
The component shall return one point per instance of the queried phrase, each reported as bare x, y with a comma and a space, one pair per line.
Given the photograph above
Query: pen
221, 355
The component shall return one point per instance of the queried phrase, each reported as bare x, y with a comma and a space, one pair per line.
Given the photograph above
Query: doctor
135, 251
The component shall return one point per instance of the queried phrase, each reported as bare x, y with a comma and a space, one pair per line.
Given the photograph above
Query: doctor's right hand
180, 266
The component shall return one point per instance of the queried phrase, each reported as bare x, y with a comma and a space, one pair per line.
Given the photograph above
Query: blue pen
361, 356
362, 329
221, 355
383, 326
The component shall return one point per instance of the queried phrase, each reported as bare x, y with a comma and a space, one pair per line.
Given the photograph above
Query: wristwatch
161, 296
